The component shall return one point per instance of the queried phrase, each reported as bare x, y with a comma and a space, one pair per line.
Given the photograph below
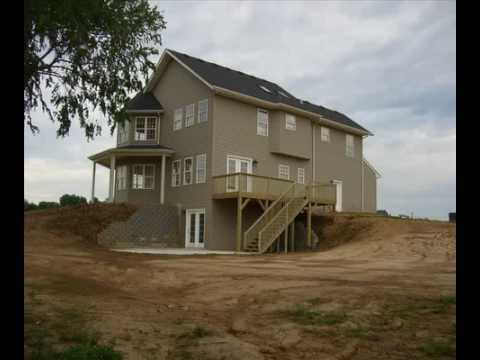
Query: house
240, 157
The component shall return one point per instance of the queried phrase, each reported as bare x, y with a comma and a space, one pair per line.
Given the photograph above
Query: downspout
313, 152
363, 185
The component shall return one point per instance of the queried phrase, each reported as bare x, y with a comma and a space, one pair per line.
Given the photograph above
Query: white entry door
195, 228
338, 205
238, 165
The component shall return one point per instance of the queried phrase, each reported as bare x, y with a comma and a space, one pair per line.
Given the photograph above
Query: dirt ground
379, 289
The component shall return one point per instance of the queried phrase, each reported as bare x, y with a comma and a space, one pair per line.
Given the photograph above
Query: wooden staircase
276, 219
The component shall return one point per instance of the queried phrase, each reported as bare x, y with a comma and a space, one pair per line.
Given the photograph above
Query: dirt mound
357, 234
85, 221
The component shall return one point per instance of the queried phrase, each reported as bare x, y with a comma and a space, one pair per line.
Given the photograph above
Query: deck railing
262, 186
322, 193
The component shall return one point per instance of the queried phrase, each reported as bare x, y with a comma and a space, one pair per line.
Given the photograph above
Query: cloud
391, 66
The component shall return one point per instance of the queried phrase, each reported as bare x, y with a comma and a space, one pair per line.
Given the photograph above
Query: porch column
111, 191
162, 188
93, 181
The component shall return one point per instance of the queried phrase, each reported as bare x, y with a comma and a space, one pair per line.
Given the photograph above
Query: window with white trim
121, 177
349, 150
290, 122
325, 134
203, 111
187, 170
262, 122
176, 173
301, 175
143, 176
201, 168
189, 115
123, 132
177, 119
145, 128
284, 172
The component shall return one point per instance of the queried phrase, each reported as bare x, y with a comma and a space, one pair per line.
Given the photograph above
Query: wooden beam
245, 203
309, 226
238, 246
260, 202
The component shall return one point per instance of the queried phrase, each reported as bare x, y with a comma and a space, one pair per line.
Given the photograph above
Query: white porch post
111, 192
162, 188
93, 181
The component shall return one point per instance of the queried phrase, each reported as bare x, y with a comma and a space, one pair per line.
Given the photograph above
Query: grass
64, 337
305, 316
440, 347
359, 333
438, 305
197, 333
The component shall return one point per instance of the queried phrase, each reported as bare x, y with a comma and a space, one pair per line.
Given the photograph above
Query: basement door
237, 164
195, 228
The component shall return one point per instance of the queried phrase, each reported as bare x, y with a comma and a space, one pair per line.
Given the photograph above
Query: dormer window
145, 128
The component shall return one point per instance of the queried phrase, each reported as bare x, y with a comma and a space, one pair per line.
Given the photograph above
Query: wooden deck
267, 191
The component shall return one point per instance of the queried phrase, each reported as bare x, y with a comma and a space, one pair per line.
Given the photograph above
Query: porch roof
103, 158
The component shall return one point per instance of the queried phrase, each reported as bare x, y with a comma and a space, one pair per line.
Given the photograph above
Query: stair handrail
289, 214
251, 232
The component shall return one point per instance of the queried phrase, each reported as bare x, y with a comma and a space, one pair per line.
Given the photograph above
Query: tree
28, 205
72, 200
87, 56
47, 205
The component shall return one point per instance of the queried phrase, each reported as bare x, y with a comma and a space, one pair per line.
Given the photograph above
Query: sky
388, 65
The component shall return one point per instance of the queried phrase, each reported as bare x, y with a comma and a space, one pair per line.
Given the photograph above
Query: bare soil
379, 288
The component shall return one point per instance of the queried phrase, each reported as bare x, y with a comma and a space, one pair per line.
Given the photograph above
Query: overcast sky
388, 65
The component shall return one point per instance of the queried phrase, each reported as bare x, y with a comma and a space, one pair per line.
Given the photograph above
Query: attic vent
265, 89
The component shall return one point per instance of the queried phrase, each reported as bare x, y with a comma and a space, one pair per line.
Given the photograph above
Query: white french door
237, 164
195, 228
338, 204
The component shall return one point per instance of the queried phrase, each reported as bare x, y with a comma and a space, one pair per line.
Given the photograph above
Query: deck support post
292, 236
309, 225
286, 240
239, 224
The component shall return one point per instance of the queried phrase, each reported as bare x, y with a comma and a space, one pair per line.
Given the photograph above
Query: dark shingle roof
143, 101
250, 85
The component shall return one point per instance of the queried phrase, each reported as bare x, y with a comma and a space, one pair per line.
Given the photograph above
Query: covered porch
117, 157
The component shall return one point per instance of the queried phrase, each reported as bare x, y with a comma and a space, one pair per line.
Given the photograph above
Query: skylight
283, 94
265, 89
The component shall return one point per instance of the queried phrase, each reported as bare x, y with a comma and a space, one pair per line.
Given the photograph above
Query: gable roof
225, 78
143, 102
377, 174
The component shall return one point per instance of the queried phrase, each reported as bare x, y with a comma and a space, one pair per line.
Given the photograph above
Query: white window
123, 132
301, 175
201, 168
121, 177
145, 128
290, 122
284, 172
176, 173
349, 151
143, 176
325, 134
203, 111
187, 170
177, 119
262, 122
189, 115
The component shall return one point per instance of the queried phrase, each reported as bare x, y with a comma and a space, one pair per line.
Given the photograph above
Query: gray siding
331, 163
176, 89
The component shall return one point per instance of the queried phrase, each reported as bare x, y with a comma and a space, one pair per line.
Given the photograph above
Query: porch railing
263, 186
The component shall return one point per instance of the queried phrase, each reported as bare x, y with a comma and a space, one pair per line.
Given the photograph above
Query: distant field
378, 288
